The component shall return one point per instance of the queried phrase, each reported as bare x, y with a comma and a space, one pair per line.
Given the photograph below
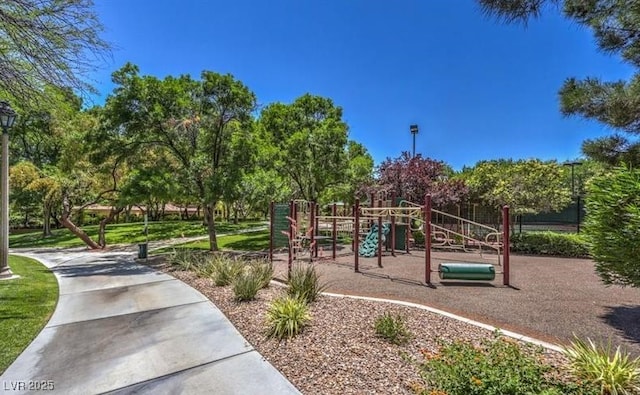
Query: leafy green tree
307, 141
358, 172
612, 225
24, 201
616, 27
204, 124
48, 43
527, 186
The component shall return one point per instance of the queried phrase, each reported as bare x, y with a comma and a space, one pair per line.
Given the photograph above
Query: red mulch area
549, 298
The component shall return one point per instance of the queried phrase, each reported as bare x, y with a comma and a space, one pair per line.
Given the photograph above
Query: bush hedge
550, 243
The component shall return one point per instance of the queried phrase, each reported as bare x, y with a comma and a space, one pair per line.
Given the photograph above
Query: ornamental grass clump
613, 372
246, 285
225, 269
286, 317
392, 329
304, 283
184, 259
263, 269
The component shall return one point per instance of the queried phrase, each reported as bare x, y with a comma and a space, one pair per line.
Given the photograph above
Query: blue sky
478, 89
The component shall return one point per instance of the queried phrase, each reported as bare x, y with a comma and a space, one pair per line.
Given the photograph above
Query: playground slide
369, 246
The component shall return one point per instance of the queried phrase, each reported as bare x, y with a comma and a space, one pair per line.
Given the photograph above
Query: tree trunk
66, 222
209, 212
46, 221
102, 242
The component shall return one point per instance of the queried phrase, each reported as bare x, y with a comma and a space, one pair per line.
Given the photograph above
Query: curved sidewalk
121, 327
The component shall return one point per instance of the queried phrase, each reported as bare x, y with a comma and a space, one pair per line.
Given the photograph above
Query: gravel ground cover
339, 352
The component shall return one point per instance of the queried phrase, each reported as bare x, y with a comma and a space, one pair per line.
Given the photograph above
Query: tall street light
573, 192
7, 118
414, 130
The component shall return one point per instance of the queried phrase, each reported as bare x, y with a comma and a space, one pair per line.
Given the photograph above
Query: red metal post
407, 234
271, 235
379, 236
356, 235
506, 245
292, 213
334, 234
427, 239
393, 226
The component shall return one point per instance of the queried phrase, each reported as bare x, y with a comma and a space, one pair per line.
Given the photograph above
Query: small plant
286, 317
304, 283
613, 372
263, 269
184, 259
497, 366
225, 270
205, 269
392, 328
246, 285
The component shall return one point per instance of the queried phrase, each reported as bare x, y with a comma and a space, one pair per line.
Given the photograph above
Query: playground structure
384, 226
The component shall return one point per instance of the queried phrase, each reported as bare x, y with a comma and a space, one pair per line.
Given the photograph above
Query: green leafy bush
304, 283
614, 372
612, 225
495, 367
246, 285
225, 269
550, 243
392, 328
286, 317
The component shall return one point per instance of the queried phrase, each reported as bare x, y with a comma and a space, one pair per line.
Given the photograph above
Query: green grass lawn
27, 304
250, 241
126, 233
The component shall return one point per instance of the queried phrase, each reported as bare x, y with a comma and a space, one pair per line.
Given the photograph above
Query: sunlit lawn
126, 233
25, 306
250, 241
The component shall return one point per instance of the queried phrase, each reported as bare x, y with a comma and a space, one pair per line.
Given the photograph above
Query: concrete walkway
121, 327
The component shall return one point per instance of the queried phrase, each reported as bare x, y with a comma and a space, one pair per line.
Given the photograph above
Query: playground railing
468, 235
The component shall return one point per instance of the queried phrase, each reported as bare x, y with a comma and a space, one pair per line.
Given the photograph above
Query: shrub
263, 269
612, 372
286, 317
612, 225
185, 259
550, 243
392, 329
205, 268
225, 269
304, 283
246, 285
497, 366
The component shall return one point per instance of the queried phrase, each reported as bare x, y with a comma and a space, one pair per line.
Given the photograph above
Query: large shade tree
204, 124
308, 142
48, 43
527, 186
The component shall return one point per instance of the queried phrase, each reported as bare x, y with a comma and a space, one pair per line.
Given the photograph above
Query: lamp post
7, 118
573, 192
414, 130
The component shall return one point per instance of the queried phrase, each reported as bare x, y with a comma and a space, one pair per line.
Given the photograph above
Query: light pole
573, 192
414, 130
7, 118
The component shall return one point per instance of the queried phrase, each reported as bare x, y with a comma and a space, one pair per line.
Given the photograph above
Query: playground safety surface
548, 298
